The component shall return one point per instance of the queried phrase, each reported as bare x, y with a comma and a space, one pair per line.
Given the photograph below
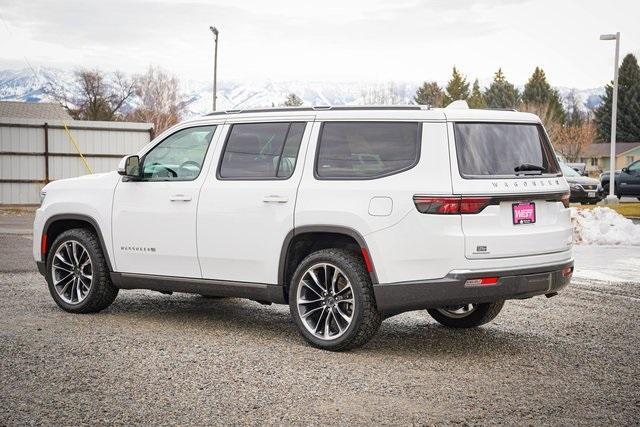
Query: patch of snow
603, 226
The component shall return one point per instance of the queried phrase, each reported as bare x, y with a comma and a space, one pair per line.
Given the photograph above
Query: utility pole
611, 198
215, 32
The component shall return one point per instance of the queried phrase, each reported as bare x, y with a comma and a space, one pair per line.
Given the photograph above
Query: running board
209, 287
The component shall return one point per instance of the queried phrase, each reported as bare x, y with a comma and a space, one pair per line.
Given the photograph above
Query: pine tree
476, 99
628, 117
293, 100
501, 93
457, 88
538, 91
430, 93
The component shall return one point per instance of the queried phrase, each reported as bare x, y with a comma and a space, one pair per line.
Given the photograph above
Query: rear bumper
395, 298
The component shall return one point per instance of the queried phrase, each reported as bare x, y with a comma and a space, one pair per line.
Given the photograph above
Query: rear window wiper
527, 167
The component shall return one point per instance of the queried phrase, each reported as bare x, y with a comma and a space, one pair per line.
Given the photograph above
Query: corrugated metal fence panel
27, 136
97, 141
21, 167
21, 139
68, 167
20, 194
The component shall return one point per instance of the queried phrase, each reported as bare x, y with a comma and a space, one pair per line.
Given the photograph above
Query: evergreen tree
293, 100
537, 91
430, 93
628, 119
501, 93
476, 99
457, 88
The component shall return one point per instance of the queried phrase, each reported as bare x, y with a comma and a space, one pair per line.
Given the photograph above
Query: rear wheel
466, 315
77, 273
331, 300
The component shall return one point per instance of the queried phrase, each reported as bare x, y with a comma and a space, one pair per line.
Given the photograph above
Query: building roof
604, 149
33, 110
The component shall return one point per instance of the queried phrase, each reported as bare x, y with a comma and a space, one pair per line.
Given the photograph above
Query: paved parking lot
182, 359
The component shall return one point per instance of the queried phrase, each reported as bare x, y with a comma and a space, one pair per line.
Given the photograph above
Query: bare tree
570, 139
161, 102
381, 94
94, 95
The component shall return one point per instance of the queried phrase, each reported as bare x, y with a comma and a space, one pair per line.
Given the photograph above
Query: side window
634, 167
179, 157
360, 150
261, 151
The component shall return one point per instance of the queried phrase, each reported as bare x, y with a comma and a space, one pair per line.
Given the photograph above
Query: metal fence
34, 152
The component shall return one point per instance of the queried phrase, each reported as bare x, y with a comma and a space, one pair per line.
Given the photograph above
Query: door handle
180, 198
274, 198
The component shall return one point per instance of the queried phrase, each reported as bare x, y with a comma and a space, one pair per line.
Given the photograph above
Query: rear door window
365, 150
503, 149
261, 150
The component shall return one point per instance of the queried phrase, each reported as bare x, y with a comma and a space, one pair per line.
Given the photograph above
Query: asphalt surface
182, 359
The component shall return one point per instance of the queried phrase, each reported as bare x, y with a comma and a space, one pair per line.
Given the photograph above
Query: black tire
102, 292
366, 318
483, 313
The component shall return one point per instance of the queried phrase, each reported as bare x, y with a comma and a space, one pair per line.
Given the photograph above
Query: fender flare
85, 218
355, 235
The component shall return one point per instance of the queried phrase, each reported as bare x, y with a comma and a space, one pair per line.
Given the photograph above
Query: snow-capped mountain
28, 85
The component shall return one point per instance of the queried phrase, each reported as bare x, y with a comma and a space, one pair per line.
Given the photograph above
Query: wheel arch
315, 237
60, 223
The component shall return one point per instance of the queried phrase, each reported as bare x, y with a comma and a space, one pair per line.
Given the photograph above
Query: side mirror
129, 166
625, 170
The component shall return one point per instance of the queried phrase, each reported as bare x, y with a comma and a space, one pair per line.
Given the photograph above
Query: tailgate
513, 165
492, 233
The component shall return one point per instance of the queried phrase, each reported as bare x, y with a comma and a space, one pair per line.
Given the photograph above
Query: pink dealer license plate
524, 213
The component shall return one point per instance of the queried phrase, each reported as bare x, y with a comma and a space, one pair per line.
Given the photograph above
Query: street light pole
215, 32
611, 198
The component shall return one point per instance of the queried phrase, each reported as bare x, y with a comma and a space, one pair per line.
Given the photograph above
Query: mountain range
28, 85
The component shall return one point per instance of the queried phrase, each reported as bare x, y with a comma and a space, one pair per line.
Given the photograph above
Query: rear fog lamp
482, 281
567, 271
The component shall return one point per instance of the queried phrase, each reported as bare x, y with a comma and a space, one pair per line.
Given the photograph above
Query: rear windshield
503, 149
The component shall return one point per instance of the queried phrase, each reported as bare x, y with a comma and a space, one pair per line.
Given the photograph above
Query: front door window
180, 156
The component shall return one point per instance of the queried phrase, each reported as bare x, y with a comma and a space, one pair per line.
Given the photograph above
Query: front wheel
331, 300
77, 273
466, 315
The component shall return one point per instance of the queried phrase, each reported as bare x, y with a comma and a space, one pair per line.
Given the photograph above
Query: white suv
349, 215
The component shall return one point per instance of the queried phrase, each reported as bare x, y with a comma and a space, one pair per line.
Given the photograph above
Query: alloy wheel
325, 301
458, 311
72, 272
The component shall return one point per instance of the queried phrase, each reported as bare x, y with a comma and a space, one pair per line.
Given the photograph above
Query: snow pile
603, 226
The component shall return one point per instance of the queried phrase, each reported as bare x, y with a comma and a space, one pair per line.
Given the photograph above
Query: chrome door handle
180, 198
275, 199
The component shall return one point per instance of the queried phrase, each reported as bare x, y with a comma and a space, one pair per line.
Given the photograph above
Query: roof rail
320, 108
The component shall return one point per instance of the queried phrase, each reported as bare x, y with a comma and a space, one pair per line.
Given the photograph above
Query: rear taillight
565, 199
450, 205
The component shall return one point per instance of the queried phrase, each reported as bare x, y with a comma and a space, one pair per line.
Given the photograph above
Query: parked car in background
627, 181
583, 189
581, 168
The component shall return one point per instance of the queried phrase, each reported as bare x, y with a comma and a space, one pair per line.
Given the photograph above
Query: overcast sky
336, 40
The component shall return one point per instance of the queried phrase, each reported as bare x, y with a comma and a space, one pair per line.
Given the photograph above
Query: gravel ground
182, 359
